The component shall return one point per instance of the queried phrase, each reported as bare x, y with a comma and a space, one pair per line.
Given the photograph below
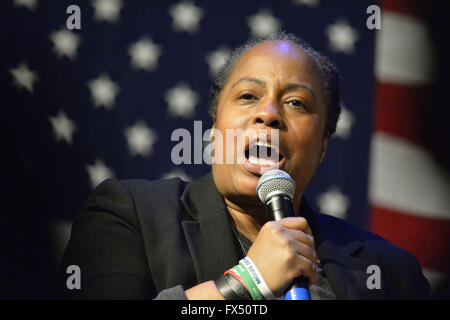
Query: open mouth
263, 154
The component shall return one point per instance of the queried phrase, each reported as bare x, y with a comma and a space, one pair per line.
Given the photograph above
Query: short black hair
329, 75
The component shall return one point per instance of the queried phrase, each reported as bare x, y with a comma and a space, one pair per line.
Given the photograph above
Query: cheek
307, 144
307, 133
229, 117
232, 123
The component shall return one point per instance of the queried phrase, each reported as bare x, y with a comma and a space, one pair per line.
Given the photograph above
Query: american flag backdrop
102, 101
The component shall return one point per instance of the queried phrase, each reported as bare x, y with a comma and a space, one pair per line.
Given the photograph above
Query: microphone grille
275, 181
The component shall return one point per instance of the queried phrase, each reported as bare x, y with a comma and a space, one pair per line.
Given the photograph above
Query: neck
247, 220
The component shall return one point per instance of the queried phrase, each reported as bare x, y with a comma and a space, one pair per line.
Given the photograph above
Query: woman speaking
212, 238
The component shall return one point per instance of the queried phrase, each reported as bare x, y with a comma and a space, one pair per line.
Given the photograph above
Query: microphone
276, 189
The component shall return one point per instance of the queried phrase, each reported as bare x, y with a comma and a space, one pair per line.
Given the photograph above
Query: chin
237, 184
245, 183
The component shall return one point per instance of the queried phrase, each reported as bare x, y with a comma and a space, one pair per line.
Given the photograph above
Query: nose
268, 114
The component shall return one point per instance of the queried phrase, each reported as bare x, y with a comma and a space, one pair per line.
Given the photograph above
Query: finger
309, 231
307, 269
305, 251
297, 223
303, 238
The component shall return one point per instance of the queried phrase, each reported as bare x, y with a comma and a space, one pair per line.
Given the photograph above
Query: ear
211, 132
323, 151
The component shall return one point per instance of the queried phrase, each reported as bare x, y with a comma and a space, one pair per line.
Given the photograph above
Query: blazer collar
208, 232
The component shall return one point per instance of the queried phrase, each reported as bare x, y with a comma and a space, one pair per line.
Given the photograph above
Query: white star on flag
29, 4
104, 91
333, 202
140, 139
63, 127
107, 10
177, 173
181, 101
65, 43
24, 77
345, 123
342, 37
263, 23
216, 59
98, 172
308, 3
186, 16
144, 54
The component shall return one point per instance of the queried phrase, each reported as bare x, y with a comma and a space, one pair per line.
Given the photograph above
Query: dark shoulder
147, 186
343, 231
117, 199
376, 247
127, 190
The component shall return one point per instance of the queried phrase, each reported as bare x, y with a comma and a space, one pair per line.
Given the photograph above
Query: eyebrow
287, 87
247, 79
292, 86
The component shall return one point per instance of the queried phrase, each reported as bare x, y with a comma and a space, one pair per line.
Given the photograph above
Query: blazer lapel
208, 235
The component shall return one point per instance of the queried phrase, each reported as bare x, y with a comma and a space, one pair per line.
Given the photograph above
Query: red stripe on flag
401, 111
410, 7
426, 238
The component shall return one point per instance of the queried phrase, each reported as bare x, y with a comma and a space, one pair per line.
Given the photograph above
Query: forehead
282, 57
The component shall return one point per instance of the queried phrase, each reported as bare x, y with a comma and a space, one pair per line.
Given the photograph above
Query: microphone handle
279, 207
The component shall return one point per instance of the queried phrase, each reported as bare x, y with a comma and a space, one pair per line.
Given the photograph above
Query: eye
247, 96
297, 103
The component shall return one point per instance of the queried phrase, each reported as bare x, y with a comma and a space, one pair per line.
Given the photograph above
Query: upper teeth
263, 144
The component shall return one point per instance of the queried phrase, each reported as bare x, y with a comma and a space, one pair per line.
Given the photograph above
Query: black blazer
134, 238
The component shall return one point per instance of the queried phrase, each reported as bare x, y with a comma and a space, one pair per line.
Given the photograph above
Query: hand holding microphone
283, 254
284, 249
